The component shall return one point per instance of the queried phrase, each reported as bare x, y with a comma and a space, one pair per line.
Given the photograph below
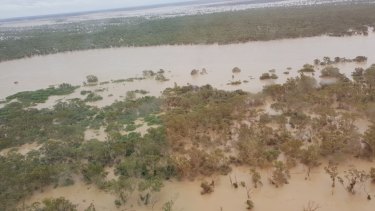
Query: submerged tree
372, 175
331, 170
280, 174
207, 187
168, 206
369, 77
236, 70
311, 206
307, 68
369, 140
194, 72
354, 177
249, 204
310, 157
92, 79
91, 207
256, 178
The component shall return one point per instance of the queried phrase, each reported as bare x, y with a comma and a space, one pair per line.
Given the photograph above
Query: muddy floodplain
162, 139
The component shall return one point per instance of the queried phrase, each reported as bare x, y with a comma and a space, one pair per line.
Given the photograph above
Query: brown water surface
253, 58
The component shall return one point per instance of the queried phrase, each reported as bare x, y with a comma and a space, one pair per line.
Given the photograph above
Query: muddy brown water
253, 58
186, 194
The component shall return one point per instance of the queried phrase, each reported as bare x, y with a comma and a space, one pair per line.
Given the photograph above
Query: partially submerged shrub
93, 97
85, 92
207, 187
148, 73
307, 68
236, 70
249, 204
255, 178
266, 76
160, 77
353, 178
92, 79
41, 95
372, 174
234, 83
280, 174
360, 59
330, 71
194, 72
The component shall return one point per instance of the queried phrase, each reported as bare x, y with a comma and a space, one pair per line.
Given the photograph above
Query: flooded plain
294, 196
186, 196
253, 58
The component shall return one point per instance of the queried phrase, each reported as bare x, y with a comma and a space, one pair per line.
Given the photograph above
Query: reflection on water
254, 58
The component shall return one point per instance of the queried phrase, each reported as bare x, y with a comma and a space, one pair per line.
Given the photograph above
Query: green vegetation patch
222, 28
267, 76
41, 95
93, 97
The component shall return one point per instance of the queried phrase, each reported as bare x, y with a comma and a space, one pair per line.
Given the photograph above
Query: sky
22, 8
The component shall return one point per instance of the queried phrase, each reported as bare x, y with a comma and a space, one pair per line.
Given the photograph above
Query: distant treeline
222, 28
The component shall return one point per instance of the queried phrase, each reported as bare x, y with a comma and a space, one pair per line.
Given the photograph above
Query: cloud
20, 8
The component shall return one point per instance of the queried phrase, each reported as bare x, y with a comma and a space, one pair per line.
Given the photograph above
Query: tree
249, 204
353, 177
369, 77
266, 76
255, 178
369, 140
372, 174
310, 157
331, 71
360, 59
168, 206
90, 208
207, 187
327, 60
331, 170
280, 174
311, 206
92, 79
307, 68
236, 70
194, 72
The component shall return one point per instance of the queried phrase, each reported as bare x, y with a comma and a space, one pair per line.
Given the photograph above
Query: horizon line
83, 12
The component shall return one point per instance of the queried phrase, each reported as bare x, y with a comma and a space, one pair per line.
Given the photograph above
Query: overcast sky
20, 8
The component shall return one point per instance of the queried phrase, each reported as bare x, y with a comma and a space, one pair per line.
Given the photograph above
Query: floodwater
186, 194
253, 58
294, 196
79, 193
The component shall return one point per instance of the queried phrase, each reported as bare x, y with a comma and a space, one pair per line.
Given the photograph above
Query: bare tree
354, 177
311, 206
331, 170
